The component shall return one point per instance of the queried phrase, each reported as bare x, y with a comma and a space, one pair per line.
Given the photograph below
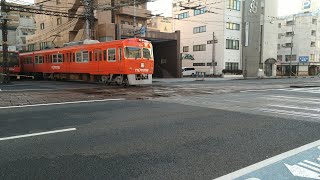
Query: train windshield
13, 59
147, 53
133, 52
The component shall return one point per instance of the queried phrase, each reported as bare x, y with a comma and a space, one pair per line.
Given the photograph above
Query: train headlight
142, 65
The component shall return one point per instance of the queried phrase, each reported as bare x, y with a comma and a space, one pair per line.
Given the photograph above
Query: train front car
12, 63
139, 61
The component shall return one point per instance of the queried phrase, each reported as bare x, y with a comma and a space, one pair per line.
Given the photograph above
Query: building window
59, 21
288, 45
233, 26
185, 48
183, 15
313, 33
42, 26
200, 11
232, 66
200, 29
279, 57
279, 25
233, 4
232, 44
290, 23
43, 45
31, 47
312, 57
199, 64
58, 1
314, 21
201, 47
279, 47
288, 58
313, 44
289, 34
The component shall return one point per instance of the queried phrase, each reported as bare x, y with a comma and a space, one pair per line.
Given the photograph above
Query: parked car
186, 71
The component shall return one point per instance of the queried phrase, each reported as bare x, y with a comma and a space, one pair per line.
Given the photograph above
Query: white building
301, 34
199, 21
20, 25
26, 27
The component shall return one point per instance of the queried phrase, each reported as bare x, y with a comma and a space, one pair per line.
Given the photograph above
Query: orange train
124, 62
13, 62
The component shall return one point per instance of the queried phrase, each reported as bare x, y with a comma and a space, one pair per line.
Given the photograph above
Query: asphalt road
179, 137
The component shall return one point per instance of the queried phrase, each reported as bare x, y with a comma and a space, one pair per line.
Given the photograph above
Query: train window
146, 53
57, 58
111, 55
38, 59
132, 52
105, 55
97, 55
85, 56
120, 54
79, 57
90, 56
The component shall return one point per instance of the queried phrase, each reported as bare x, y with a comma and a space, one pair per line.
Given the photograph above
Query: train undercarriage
112, 79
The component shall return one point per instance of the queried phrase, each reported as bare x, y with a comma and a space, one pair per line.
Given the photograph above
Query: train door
67, 61
120, 59
97, 60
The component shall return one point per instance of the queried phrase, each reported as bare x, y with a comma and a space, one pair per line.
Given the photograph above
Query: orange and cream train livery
124, 62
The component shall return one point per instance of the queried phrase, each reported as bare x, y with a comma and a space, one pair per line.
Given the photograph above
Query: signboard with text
303, 59
306, 4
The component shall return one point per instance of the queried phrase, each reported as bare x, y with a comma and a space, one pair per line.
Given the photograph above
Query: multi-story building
259, 29
299, 44
210, 34
227, 36
20, 24
160, 23
109, 23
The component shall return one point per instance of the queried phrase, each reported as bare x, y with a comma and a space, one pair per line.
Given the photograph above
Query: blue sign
306, 4
303, 162
303, 59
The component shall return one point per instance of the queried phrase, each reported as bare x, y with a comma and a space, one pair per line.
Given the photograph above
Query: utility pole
89, 18
4, 11
134, 17
213, 53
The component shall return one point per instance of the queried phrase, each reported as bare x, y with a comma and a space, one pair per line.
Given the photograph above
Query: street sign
212, 41
303, 59
303, 162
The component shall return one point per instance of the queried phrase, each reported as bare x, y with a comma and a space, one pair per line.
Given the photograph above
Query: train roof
123, 41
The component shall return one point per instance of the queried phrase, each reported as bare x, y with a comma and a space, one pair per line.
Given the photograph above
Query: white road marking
289, 113
308, 166
37, 134
268, 162
62, 103
312, 163
297, 101
296, 98
295, 107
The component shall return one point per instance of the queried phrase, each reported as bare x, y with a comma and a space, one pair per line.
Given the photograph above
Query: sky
286, 7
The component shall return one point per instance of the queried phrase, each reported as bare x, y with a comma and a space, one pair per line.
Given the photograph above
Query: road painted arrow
299, 171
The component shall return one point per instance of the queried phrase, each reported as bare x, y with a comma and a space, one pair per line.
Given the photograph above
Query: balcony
139, 12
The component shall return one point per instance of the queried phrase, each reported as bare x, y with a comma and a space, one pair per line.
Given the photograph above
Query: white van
186, 71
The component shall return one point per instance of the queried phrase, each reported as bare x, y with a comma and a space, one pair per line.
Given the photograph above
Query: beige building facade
160, 23
109, 24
